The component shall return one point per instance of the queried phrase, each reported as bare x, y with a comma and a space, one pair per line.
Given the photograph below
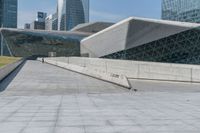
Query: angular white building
146, 40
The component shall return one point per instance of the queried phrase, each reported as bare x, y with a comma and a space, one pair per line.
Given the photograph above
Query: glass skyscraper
181, 10
1, 7
8, 13
71, 13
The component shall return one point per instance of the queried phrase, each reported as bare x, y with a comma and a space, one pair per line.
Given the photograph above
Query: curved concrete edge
120, 80
6, 70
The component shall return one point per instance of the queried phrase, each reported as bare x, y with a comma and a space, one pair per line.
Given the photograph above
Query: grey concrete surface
36, 78
45, 99
164, 86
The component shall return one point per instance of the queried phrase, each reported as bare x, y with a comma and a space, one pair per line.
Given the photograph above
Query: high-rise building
181, 10
36, 25
27, 26
71, 13
1, 11
39, 23
51, 22
41, 16
55, 21
48, 22
8, 13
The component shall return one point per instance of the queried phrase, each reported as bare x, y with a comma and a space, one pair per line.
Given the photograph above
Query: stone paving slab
101, 113
33, 103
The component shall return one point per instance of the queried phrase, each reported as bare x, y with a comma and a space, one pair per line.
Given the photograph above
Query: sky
100, 10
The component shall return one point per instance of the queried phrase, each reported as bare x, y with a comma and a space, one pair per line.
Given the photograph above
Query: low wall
138, 69
5, 70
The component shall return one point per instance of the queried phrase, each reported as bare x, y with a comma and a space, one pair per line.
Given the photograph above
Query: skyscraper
55, 21
8, 13
51, 22
39, 23
48, 22
71, 13
27, 26
1, 7
181, 10
41, 16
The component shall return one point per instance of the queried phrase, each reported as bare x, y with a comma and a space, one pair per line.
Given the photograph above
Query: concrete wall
4, 71
139, 70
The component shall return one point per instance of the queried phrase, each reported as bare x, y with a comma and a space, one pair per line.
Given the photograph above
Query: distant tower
71, 13
8, 13
27, 26
41, 16
181, 10
39, 23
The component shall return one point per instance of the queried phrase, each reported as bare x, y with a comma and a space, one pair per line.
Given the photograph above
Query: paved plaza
41, 98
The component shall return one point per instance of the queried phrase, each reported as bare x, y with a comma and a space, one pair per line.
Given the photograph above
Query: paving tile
69, 130
37, 130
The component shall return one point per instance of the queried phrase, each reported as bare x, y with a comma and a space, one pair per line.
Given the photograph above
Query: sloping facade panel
143, 31
92, 27
107, 41
130, 33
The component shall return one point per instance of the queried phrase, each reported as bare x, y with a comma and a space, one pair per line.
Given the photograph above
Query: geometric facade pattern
183, 47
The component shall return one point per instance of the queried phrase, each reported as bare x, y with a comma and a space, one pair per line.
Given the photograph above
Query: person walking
42, 60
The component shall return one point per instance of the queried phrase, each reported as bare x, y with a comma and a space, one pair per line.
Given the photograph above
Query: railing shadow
8, 79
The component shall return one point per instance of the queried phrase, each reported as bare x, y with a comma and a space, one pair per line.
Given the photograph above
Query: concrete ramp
118, 79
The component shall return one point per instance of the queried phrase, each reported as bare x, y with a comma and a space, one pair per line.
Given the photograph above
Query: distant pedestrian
42, 60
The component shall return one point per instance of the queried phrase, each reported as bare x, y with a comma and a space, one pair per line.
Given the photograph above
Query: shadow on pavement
6, 81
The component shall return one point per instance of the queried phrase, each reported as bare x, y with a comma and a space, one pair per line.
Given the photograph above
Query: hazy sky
100, 10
